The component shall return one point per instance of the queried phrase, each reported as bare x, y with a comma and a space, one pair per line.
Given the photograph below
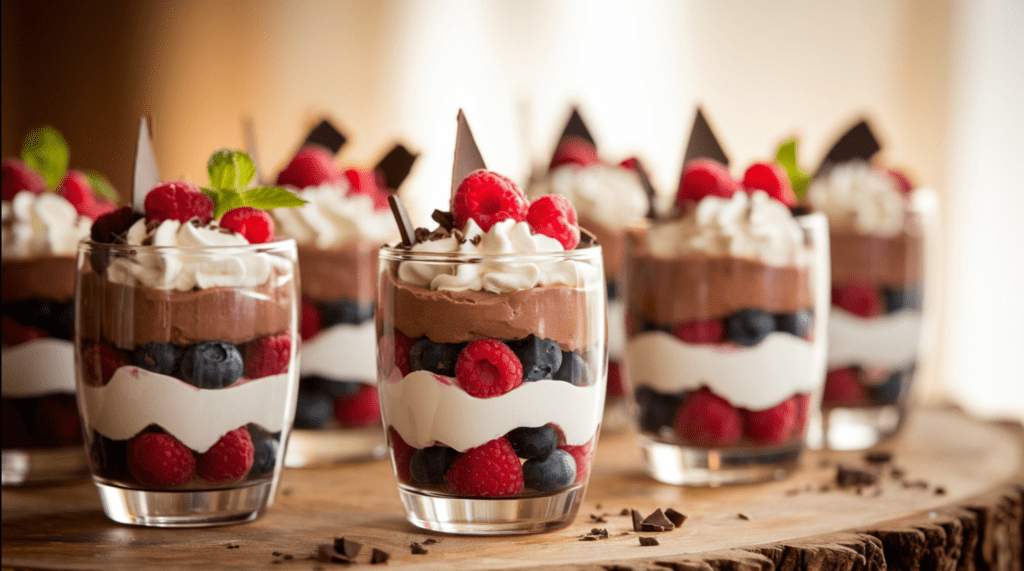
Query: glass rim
273, 246
585, 253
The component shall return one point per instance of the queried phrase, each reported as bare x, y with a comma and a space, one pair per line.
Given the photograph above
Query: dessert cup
187, 377
509, 461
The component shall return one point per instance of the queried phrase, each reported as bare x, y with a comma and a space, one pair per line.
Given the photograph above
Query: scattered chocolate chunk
940, 491
588, 537
445, 219
625, 511
847, 476
897, 473
405, 227
675, 517
637, 519
347, 547
743, 516
656, 522
915, 484
417, 549
288, 557
327, 554
597, 518
648, 541
878, 457
599, 532
276, 554
379, 556
429, 541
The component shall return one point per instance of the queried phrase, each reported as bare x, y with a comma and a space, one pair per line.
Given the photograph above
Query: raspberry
771, 178
614, 379
858, 298
488, 368
370, 183
553, 216
803, 404
267, 356
402, 347
774, 425
843, 388
178, 200
701, 331
311, 320
113, 225
706, 419
402, 454
631, 163
902, 182
360, 409
488, 198
574, 151
99, 361
13, 333
16, 176
75, 188
584, 455
229, 459
256, 225
490, 470
705, 177
312, 166
159, 459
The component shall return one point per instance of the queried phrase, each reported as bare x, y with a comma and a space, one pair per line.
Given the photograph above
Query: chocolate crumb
743, 516
847, 476
276, 554
327, 554
445, 219
897, 473
429, 541
600, 532
878, 457
597, 518
347, 547
915, 484
625, 533
417, 549
656, 522
940, 491
625, 511
288, 557
637, 519
860, 490
675, 517
379, 556
648, 541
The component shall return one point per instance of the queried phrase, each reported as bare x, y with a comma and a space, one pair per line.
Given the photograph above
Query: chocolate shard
675, 517
702, 143
599, 532
467, 154
379, 557
637, 519
859, 143
648, 541
347, 547
405, 227
645, 181
327, 136
251, 148
395, 166
878, 457
656, 522
849, 476
147, 174
417, 549
326, 554
576, 128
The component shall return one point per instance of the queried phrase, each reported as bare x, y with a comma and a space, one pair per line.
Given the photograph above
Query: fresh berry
584, 456
18, 176
311, 321
438, 358
178, 200
330, 387
99, 361
573, 370
748, 327
533, 442
254, 224
902, 182
76, 189
631, 163
774, 425
487, 198
705, 331
488, 368
265, 446
401, 453
890, 390
614, 386
370, 183
798, 323
803, 409
211, 364
552, 473
707, 419
311, 166
312, 409
540, 358
771, 178
159, 459
429, 465
657, 410
13, 333
395, 352
109, 457
112, 226
705, 177
345, 312
490, 470
554, 216
574, 151
159, 358
57, 421
360, 409
229, 459
858, 298
843, 388
899, 299
267, 356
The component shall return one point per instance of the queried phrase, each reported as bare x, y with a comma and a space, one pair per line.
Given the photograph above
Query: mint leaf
267, 197
786, 156
223, 200
101, 186
47, 152
230, 169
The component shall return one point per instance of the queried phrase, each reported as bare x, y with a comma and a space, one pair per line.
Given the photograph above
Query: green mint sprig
230, 172
46, 151
101, 186
799, 178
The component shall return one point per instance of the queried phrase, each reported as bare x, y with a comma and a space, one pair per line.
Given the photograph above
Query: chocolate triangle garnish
395, 166
347, 547
249, 134
645, 181
702, 143
327, 136
405, 227
675, 517
859, 143
656, 522
575, 127
637, 519
379, 557
147, 174
467, 154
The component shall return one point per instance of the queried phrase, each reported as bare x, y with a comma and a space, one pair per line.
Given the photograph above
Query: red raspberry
159, 459
13, 333
488, 368
584, 455
803, 410
574, 151
57, 421
705, 177
858, 298
229, 459
902, 182
256, 225
16, 176
99, 361
76, 189
267, 356
487, 471
395, 352
843, 388
631, 163
701, 331
771, 178
178, 200
614, 379
488, 198
401, 453
553, 216
360, 409
369, 182
707, 419
311, 320
774, 425
312, 166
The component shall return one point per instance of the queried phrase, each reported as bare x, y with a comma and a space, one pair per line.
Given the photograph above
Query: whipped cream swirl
752, 226
41, 224
331, 218
856, 195
609, 195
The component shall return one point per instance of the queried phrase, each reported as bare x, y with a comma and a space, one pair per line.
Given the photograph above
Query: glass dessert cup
186, 392
516, 460
726, 359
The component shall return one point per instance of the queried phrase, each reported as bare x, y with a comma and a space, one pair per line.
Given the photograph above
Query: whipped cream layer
610, 195
135, 398
616, 329
755, 378
890, 341
342, 352
333, 217
857, 196
425, 410
41, 224
39, 367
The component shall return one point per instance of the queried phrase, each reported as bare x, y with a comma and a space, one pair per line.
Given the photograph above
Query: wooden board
976, 521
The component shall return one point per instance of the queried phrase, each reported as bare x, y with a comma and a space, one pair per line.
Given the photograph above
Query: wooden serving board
959, 504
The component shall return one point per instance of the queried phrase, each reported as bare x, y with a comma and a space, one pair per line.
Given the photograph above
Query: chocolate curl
702, 143
859, 143
249, 134
327, 136
147, 174
405, 227
576, 128
395, 167
467, 154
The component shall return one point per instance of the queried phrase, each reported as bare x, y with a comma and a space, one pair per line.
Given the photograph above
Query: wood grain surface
958, 504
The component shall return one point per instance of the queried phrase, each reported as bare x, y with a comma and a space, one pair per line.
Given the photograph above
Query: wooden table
959, 504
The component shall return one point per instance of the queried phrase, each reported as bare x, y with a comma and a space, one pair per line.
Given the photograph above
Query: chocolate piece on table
637, 519
379, 556
702, 143
657, 521
347, 547
395, 166
675, 517
327, 136
417, 549
405, 227
859, 143
847, 476
743, 516
648, 541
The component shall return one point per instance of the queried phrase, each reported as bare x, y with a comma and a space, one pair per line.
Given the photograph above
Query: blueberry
332, 387
573, 370
748, 327
613, 290
429, 465
541, 358
531, 443
211, 364
157, 357
109, 457
897, 299
555, 472
798, 323
439, 358
892, 388
265, 446
313, 410
657, 410
345, 312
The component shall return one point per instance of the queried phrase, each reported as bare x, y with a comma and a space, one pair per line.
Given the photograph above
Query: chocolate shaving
379, 556
637, 519
657, 522
395, 166
743, 516
588, 537
347, 547
417, 549
467, 154
675, 517
878, 457
648, 541
405, 227
702, 143
940, 491
587, 238
327, 136
849, 476
859, 143
445, 219
597, 518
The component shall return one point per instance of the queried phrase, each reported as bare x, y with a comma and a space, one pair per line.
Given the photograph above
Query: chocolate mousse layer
45, 277
128, 316
613, 243
883, 260
669, 291
348, 272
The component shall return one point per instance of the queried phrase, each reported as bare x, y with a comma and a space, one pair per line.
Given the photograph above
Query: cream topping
610, 195
39, 367
890, 341
332, 218
856, 195
41, 224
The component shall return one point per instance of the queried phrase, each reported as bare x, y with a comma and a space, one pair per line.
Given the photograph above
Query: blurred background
942, 82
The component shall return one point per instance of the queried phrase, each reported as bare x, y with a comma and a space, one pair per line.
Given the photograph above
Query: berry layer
893, 261
890, 341
45, 277
345, 272
39, 367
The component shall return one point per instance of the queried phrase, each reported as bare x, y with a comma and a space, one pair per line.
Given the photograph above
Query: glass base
692, 466
310, 448
860, 428
491, 516
23, 466
189, 508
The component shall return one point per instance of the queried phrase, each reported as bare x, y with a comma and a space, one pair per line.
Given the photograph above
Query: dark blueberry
345, 312
899, 299
439, 358
573, 370
613, 291
64, 320
645, 325
109, 457
157, 357
892, 388
657, 410
748, 327
555, 472
56, 319
334, 388
211, 364
541, 358
313, 410
530, 442
429, 465
798, 323
265, 446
